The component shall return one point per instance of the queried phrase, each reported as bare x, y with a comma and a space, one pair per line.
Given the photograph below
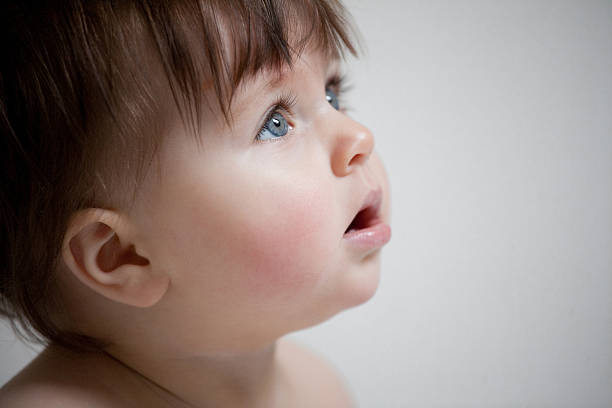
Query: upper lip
369, 210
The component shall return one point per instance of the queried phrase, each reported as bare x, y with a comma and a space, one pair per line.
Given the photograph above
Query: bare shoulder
322, 385
53, 380
24, 393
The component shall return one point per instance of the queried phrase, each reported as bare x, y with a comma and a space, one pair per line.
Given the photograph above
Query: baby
181, 187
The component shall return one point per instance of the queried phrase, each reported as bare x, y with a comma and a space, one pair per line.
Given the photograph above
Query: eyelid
283, 104
338, 84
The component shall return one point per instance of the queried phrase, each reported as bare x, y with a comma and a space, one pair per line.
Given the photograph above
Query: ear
99, 249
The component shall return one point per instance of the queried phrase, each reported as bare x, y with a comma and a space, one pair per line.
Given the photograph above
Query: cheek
287, 250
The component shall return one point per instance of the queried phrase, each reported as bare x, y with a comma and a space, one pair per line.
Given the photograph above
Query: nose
352, 146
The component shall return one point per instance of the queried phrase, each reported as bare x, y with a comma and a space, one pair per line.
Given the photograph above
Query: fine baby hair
181, 187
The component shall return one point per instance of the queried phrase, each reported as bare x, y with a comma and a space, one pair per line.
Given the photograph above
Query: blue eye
275, 127
332, 98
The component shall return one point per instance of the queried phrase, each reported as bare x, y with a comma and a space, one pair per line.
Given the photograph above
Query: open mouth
364, 219
368, 215
367, 231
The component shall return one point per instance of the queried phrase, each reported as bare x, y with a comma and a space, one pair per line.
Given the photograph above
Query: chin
360, 284
365, 284
357, 286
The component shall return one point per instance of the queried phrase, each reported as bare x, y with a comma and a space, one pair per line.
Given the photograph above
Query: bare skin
61, 378
226, 249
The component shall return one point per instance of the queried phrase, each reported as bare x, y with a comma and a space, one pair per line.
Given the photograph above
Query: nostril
351, 149
357, 159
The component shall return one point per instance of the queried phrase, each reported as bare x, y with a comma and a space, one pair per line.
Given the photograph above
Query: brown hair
73, 88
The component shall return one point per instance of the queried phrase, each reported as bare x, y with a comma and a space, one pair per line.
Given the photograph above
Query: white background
494, 119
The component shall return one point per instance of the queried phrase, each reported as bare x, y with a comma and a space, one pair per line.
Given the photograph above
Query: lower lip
373, 236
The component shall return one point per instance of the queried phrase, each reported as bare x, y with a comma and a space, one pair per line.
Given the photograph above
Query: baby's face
250, 223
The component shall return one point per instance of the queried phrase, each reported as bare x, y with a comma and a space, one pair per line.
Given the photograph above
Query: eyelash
286, 102
338, 84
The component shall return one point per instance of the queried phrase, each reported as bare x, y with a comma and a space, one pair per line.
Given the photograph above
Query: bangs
215, 45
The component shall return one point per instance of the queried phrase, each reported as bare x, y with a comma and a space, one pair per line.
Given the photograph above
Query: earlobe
99, 251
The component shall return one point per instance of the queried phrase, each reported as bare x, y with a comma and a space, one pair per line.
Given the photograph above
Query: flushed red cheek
284, 254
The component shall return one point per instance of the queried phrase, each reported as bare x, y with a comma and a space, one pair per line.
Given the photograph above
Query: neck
228, 379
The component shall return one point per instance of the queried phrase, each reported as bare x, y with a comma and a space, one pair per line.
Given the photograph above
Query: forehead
311, 60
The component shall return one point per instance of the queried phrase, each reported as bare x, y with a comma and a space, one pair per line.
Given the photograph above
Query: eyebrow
280, 75
277, 78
